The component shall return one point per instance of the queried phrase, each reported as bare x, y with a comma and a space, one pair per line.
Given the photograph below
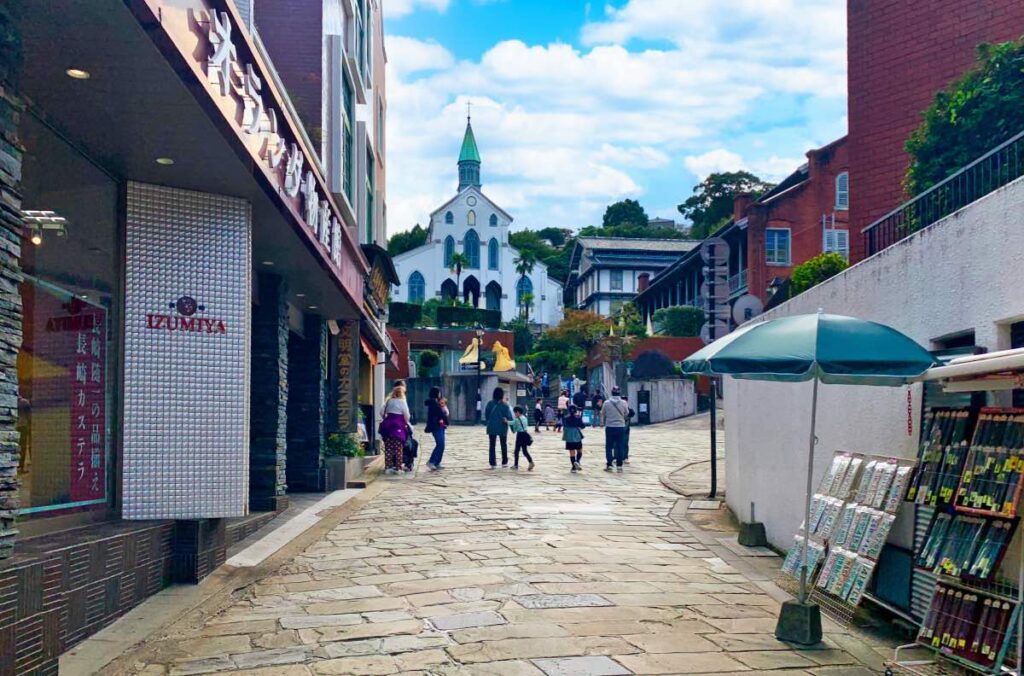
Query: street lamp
479, 331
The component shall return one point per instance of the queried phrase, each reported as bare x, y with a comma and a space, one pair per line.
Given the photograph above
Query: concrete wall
670, 398
958, 275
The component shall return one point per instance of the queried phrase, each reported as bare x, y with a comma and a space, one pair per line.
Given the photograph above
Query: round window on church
471, 201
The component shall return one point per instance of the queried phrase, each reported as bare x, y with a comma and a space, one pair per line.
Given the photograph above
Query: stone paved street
473, 571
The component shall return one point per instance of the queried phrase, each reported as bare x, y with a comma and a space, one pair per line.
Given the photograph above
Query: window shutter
843, 191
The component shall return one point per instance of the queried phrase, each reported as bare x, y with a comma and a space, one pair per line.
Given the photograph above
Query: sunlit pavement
474, 571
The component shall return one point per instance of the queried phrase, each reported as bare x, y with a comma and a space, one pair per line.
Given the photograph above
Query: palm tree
524, 266
457, 263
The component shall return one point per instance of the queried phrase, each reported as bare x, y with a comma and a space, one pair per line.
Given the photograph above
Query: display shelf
994, 469
969, 626
942, 453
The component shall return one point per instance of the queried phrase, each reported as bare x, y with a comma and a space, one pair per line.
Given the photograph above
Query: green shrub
429, 359
343, 445
681, 321
816, 270
404, 315
976, 113
467, 316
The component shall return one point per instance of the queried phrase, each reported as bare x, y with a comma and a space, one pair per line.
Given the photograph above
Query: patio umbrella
819, 347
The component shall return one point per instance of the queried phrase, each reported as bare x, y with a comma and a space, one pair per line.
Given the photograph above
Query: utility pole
714, 440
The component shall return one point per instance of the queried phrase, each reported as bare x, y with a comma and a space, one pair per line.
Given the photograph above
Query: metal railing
991, 171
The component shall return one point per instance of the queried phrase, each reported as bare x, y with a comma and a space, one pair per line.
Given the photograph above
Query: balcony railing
738, 282
989, 172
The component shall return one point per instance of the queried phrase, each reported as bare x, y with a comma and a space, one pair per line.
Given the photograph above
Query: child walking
549, 418
523, 440
572, 434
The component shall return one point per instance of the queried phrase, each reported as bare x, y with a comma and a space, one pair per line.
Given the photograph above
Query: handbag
529, 439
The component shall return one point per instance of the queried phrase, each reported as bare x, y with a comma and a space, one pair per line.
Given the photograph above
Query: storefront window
64, 365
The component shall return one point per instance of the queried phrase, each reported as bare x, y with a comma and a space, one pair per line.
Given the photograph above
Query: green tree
972, 116
555, 236
628, 321
524, 268
710, 206
816, 270
522, 337
429, 359
626, 212
680, 321
458, 263
401, 242
633, 232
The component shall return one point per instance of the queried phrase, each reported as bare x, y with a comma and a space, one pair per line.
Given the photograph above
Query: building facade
330, 57
471, 224
891, 82
805, 215
183, 307
607, 272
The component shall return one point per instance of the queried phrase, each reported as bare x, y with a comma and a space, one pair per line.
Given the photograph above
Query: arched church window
471, 249
417, 287
494, 220
449, 250
471, 218
523, 286
449, 218
493, 254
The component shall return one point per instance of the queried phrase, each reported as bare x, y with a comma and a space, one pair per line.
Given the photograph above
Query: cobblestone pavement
473, 571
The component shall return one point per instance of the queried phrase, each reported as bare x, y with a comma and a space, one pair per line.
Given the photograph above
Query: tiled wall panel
186, 392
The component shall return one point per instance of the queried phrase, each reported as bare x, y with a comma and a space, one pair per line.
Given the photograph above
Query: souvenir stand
968, 552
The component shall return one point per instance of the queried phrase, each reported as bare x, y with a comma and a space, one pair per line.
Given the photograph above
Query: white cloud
394, 9
773, 168
713, 161
564, 131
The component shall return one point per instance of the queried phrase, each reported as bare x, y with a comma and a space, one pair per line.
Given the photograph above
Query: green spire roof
469, 151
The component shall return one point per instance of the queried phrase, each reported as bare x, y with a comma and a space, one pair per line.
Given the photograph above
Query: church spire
469, 159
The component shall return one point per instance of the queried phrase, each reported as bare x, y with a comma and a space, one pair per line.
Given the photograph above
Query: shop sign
184, 319
240, 82
82, 352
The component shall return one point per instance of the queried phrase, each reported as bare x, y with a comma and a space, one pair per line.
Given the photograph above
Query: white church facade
471, 224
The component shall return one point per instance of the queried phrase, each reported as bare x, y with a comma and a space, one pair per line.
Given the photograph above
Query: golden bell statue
502, 359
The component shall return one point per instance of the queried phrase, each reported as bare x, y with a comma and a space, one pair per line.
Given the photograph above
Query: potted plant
343, 459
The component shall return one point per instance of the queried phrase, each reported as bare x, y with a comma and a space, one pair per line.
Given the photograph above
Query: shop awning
1003, 370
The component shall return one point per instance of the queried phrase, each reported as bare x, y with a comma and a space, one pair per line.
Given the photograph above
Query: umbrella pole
807, 504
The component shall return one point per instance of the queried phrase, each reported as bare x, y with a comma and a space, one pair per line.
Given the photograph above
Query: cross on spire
469, 110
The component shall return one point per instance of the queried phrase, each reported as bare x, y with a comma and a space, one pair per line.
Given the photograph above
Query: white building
471, 224
607, 272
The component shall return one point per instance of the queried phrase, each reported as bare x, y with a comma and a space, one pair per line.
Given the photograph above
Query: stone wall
671, 398
268, 433
10, 314
307, 399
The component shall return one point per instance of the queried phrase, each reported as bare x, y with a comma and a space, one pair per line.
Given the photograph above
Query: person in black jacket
437, 423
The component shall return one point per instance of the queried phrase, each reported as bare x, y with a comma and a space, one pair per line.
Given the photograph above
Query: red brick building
809, 210
804, 215
900, 54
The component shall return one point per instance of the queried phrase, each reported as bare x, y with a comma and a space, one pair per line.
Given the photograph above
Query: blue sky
577, 105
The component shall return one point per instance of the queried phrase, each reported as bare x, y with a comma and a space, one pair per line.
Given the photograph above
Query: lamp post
479, 332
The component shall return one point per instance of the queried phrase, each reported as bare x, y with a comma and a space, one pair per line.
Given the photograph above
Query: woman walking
538, 415
498, 415
394, 429
437, 423
563, 406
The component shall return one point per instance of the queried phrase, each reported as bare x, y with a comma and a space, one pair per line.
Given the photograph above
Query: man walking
613, 415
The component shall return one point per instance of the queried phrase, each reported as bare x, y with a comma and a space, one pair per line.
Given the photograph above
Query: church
471, 224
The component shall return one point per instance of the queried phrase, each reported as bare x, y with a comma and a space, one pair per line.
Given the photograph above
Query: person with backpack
523, 439
614, 414
572, 435
437, 424
394, 429
629, 426
497, 415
